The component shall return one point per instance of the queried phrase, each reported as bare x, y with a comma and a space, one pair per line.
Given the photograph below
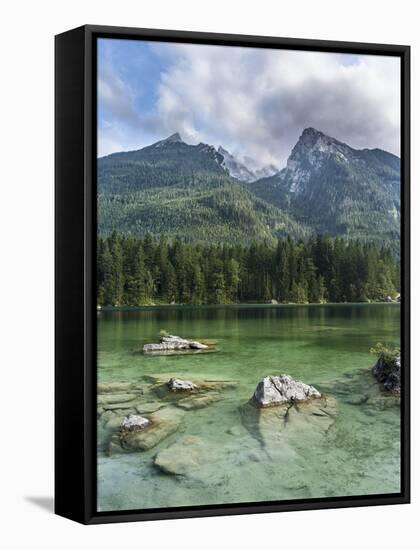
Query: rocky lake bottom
212, 445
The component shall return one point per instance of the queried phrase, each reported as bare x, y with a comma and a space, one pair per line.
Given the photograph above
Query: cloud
115, 96
256, 102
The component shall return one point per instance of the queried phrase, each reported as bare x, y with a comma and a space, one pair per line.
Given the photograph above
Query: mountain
165, 163
234, 167
336, 189
175, 189
202, 194
240, 171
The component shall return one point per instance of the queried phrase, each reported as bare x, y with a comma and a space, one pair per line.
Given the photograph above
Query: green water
326, 346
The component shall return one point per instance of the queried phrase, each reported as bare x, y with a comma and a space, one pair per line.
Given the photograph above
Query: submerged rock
115, 386
277, 390
388, 372
134, 422
170, 342
114, 423
176, 384
186, 456
149, 407
111, 398
175, 389
198, 401
161, 424
284, 428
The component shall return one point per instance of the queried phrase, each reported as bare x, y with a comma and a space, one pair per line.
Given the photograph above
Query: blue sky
254, 102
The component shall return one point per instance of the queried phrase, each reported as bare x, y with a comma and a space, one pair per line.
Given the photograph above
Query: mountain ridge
326, 186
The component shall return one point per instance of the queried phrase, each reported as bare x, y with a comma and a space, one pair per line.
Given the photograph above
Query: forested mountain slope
178, 190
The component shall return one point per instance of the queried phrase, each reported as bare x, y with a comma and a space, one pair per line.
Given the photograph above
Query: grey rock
165, 346
277, 390
134, 422
172, 342
171, 338
162, 423
388, 372
176, 384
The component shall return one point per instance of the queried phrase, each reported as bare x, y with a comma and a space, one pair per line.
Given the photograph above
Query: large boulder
387, 371
277, 390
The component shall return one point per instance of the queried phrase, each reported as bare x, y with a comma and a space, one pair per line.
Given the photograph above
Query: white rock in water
173, 339
134, 422
175, 384
275, 390
166, 346
171, 342
197, 345
170, 339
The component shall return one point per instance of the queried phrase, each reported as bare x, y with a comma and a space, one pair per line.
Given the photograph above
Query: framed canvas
232, 274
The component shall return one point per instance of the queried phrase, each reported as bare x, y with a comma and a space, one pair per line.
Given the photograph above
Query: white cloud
256, 102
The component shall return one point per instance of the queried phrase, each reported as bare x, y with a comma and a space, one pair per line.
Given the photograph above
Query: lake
231, 462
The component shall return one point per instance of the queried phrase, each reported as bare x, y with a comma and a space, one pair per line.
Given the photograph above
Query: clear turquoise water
327, 346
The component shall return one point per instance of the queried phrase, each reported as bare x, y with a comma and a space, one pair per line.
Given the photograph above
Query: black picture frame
75, 245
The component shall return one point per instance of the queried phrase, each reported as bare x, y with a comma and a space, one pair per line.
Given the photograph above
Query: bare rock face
176, 384
134, 422
388, 372
277, 390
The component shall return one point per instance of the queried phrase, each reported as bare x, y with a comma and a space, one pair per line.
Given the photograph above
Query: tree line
134, 271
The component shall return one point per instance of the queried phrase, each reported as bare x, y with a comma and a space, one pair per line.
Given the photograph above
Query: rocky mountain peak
311, 151
172, 139
313, 143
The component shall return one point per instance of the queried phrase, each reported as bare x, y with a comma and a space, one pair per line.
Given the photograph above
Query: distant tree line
135, 271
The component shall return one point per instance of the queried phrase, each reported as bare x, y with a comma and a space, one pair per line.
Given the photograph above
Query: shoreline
236, 306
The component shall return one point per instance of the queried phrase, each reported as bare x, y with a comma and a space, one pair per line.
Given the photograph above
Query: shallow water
327, 346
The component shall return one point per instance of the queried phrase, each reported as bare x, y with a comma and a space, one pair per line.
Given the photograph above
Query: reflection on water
327, 346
